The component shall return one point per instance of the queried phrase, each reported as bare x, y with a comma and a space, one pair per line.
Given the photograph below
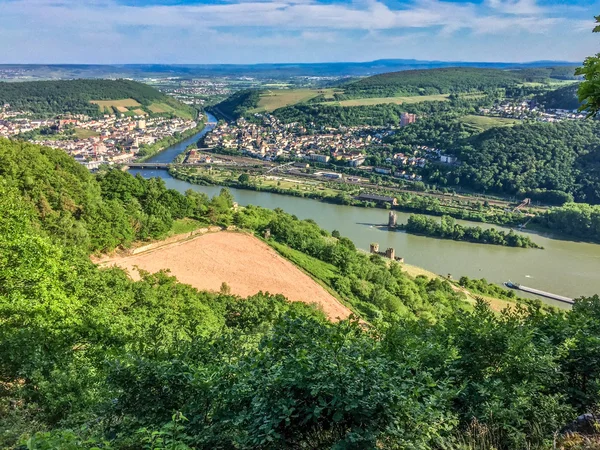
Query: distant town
93, 141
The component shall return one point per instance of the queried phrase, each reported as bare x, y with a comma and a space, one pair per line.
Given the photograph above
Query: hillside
90, 97
274, 70
446, 81
93, 359
561, 98
377, 100
246, 264
561, 158
238, 104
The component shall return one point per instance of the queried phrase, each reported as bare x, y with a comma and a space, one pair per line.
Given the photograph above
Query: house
448, 159
382, 170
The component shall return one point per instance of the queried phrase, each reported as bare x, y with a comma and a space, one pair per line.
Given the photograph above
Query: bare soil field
245, 263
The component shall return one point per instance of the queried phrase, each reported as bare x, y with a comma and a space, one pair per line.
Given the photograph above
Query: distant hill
276, 70
46, 98
554, 72
238, 104
446, 81
561, 98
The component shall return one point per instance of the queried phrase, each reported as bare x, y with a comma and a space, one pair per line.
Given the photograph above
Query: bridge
149, 165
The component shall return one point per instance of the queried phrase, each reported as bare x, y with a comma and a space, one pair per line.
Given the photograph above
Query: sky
271, 31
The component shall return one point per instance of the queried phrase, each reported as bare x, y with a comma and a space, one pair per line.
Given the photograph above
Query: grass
127, 102
485, 123
496, 304
159, 107
320, 270
140, 112
181, 226
395, 100
82, 133
278, 98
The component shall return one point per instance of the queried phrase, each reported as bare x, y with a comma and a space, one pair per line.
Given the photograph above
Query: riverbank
342, 194
162, 144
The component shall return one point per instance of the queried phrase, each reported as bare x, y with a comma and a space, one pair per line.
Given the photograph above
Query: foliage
92, 359
236, 105
513, 160
588, 92
447, 228
574, 219
97, 213
49, 98
331, 115
562, 98
432, 81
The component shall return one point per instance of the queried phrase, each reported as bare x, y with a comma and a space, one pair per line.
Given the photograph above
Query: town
271, 140
94, 141
530, 110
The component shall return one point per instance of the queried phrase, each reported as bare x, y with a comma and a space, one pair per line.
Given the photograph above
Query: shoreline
177, 174
185, 135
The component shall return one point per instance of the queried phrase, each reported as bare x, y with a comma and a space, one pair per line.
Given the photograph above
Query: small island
447, 228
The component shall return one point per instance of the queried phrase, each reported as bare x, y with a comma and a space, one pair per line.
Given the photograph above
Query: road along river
564, 267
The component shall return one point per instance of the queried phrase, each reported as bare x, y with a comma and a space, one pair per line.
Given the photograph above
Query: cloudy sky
254, 31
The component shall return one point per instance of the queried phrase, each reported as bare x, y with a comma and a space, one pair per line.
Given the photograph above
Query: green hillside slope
432, 81
46, 98
90, 359
561, 98
447, 81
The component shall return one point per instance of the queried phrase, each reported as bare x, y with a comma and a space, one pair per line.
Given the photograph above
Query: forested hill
561, 98
45, 98
238, 104
444, 81
90, 359
559, 157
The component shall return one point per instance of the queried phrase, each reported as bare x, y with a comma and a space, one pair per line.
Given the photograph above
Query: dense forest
437, 81
562, 98
238, 104
49, 98
552, 156
579, 220
90, 359
553, 72
549, 162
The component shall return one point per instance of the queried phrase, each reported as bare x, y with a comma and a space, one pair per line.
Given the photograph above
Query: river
564, 267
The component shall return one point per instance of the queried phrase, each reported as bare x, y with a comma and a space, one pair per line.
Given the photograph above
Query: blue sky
255, 31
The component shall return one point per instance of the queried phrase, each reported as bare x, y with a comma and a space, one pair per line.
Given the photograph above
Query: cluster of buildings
193, 92
529, 109
407, 119
94, 141
272, 139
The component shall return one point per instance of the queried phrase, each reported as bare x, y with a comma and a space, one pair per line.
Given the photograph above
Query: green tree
589, 90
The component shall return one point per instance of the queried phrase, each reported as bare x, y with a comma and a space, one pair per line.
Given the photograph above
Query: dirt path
245, 263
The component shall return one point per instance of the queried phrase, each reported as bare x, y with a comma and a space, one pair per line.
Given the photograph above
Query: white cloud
64, 30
